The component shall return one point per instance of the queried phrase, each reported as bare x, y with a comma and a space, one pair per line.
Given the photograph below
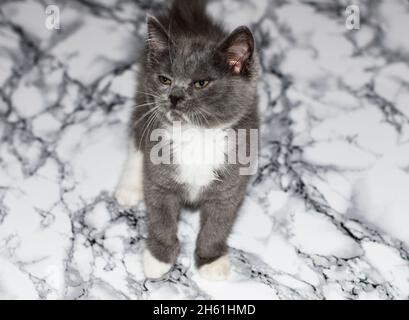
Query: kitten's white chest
198, 153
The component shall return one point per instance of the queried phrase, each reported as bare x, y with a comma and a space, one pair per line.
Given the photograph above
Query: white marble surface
327, 216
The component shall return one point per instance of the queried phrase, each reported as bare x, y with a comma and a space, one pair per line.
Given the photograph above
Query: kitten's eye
165, 81
201, 84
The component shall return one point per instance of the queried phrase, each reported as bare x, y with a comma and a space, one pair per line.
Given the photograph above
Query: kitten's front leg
162, 245
217, 218
130, 187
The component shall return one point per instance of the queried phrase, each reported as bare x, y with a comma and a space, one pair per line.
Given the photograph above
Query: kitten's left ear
238, 49
158, 39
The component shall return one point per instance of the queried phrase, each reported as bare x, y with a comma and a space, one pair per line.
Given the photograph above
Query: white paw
128, 196
217, 270
152, 267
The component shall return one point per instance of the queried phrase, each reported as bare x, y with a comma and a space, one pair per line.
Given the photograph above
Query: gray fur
185, 45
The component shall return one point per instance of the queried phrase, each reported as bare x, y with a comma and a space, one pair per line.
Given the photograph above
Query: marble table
325, 217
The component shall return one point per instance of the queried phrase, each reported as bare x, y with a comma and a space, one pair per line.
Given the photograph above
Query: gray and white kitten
195, 73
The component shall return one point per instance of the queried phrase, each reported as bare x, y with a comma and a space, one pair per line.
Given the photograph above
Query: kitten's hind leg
130, 187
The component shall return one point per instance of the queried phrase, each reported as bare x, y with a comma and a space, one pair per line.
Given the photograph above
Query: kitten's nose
174, 99
176, 95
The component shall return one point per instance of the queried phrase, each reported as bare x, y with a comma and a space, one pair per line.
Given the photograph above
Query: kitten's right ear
237, 49
158, 39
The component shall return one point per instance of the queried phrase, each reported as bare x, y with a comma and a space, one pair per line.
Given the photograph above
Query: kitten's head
201, 79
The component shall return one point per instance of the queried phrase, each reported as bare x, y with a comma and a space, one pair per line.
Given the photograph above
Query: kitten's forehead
189, 58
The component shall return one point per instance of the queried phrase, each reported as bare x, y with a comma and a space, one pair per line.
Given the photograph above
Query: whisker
196, 121
144, 115
151, 120
203, 116
210, 115
143, 104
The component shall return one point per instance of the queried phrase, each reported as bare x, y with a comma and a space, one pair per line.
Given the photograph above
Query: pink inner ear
235, 66
237, 54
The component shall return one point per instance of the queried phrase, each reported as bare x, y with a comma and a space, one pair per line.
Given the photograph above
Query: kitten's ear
158, 39
238, 49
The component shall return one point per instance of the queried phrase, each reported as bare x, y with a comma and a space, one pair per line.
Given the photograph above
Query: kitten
198, 77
